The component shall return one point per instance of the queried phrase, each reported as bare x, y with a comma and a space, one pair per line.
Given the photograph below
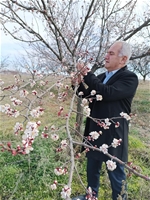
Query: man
117, 87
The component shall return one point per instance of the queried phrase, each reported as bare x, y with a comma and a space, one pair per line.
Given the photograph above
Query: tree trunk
79, 117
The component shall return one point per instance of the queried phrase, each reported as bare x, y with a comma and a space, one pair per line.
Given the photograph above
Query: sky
12, 48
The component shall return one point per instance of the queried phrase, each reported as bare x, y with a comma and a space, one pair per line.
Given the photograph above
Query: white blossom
84, 102
53, 127
59, 84
53, 186
52, 95
23, 93
93, 92
125, 115
15, 101
111, 165
32, 83
37, 112
59, 171
104, 148
18, 127
42, 83
63, 144
81, 93
28, 149
107, 122
87, 110
54, 137
94, 135
66, 192
116, 142
99, 97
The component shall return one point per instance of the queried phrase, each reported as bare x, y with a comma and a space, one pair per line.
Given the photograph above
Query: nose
106, 56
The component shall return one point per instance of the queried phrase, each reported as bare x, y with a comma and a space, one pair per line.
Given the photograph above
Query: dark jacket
117, 95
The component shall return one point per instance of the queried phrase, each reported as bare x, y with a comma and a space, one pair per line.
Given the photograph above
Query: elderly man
117, 87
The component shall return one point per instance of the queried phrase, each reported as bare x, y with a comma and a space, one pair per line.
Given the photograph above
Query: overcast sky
12, 48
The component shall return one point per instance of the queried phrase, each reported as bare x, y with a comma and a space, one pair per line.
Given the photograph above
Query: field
29, 177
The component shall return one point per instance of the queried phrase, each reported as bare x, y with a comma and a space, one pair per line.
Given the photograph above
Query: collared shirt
109, 75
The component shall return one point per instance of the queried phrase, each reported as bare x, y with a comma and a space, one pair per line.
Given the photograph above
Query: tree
4, 63
142, 67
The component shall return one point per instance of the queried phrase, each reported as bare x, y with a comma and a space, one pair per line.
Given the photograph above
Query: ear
124, 59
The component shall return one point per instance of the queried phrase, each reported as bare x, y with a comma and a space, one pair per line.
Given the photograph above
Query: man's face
112, 60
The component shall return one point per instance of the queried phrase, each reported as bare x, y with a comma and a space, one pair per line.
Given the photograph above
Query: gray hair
125, 50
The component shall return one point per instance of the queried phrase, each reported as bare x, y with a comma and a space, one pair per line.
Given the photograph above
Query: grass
28, 177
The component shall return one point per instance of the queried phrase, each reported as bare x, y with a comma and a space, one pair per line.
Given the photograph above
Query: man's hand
76, 78
82, 69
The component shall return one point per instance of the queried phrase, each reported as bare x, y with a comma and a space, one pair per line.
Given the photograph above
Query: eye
111, 53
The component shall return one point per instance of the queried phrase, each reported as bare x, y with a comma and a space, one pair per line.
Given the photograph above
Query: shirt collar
112, 72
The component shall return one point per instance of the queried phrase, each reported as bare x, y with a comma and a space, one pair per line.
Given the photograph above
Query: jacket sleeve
82, 88
123, 86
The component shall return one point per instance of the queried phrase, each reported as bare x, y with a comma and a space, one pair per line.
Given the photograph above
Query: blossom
18, 127
32, 83
116, 142
59, 171
117, 124
30, 133
93, 92
53, 127
59, 84
87, 110
31, 130
60, 110
15, 101
99, 97
84, 102
15, 113
23, 93
38, 75
28, 149
107, 122
9, 111
42, 83
44, 135
37, 112
111, 165
94, 135
66, 192
52, 95
104, 148
66, 87
34, 92
63, 144
53, 186
81, 93
54, 137
125, 115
